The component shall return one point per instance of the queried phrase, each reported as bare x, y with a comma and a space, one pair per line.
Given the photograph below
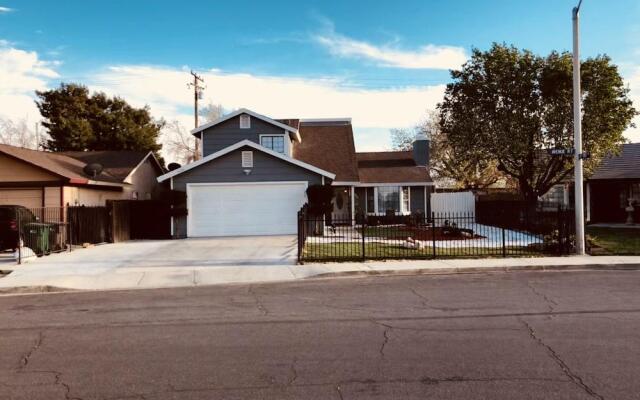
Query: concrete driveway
200, 252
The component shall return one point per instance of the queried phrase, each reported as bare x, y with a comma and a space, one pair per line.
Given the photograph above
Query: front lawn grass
353, 251
615, 240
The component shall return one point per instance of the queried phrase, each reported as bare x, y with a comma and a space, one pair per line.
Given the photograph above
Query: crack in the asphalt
294, 373
24, 361
550, 302
257, 300
577, 380
339, 392
385, 334
58, 381
426, 380
200, 321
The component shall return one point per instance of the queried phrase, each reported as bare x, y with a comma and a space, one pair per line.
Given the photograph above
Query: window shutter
245, 121
247, 159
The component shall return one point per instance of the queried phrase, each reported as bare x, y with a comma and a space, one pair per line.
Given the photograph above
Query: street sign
561, 152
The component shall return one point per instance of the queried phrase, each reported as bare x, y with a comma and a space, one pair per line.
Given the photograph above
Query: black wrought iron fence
439, 235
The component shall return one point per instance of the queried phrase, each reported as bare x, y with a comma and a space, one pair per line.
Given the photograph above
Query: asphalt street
522, 335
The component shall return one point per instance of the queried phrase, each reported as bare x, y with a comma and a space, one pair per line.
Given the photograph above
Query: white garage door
31, 198
244, 209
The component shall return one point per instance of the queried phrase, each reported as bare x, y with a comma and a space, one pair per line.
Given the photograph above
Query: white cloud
374, 111
426, 57
5, 9
22, 72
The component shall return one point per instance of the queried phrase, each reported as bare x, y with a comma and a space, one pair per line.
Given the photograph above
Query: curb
476, 270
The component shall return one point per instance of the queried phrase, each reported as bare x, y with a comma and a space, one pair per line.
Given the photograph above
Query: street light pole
577, 134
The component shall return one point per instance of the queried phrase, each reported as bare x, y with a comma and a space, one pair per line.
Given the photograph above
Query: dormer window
245, 121
273, 142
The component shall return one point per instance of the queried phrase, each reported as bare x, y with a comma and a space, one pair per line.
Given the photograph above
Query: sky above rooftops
384, 64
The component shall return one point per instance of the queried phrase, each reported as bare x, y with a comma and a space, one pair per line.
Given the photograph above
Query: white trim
288, 128
287, 148
425, 201
133, 171
344, 183
358, 184
353, 205
238, 145
101, 183
394, 184
190, 185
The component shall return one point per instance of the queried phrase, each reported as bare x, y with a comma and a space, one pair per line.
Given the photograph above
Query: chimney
421, 150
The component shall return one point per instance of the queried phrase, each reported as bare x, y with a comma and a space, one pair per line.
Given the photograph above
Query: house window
405, 199
370, 200
247, 159
275, 143
388, 199
394, 198
245, 121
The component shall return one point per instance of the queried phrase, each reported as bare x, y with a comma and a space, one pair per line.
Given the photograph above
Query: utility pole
577, 134
197, 94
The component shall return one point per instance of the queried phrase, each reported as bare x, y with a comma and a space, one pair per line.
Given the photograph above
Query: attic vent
245, 121
247, 159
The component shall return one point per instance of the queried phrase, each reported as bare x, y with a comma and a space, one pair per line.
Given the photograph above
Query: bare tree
18, 133
402, 139
212, 112
179, 143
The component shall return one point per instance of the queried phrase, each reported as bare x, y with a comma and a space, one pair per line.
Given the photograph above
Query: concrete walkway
61, 271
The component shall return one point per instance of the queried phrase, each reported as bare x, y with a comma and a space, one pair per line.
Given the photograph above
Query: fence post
300, 235
364, 227
19, 237
504, 243
433, 233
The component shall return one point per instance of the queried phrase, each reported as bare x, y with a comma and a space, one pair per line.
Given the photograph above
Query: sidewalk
44, 279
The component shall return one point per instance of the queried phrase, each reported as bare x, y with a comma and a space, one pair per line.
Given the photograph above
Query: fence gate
150, 219
454, 202
120, 213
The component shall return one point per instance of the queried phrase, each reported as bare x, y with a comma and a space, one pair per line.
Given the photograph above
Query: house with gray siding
254, 171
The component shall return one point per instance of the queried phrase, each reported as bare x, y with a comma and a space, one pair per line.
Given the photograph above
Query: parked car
10, 217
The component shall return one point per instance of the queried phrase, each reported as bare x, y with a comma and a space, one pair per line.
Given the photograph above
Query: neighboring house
45, 179
254, 172
613, 184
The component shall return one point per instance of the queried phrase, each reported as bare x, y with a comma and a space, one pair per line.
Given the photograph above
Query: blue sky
382, 63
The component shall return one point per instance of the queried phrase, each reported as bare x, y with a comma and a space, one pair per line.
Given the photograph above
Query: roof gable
117, 165
292, 131
237, 146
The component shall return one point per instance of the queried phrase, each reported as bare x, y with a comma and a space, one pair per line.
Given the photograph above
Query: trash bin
37, 238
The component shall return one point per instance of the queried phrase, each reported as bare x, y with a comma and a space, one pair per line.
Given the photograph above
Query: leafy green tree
510, 106
77, 121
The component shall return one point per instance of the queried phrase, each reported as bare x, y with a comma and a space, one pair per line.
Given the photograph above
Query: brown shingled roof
70, 165
390, 167
328, 146
623, 166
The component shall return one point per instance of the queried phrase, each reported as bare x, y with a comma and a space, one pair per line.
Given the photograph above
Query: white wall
455, 202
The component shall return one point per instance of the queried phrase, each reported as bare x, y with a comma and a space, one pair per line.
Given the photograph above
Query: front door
341, 206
